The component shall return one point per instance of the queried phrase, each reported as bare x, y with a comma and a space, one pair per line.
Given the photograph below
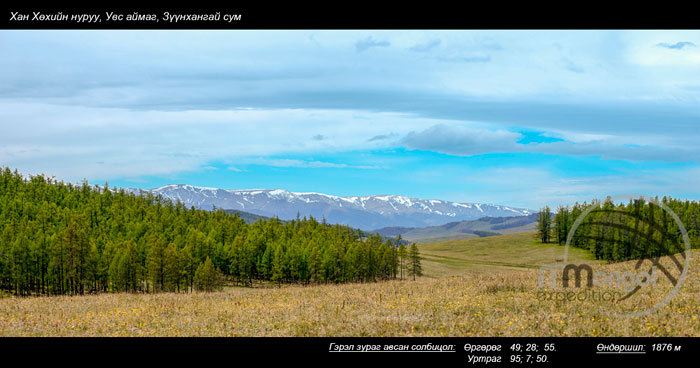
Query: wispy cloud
156, 104
461, 140
425, 47
370, 42
676, 46
465, 59
78, 142
534, 187
285, 162
382, 137
573, 67
467, 141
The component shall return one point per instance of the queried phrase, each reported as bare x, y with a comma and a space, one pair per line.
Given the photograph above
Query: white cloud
461, 140
283, 162
467, 141
81, 142
533, 187
122, 104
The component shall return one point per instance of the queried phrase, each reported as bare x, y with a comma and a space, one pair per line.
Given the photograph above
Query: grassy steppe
511, 252
474, 287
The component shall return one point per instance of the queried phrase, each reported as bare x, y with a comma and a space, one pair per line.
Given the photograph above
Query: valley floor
502, 302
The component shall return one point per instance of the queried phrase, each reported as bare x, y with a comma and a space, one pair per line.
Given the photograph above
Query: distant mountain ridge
246, 216
485, 226
364, 212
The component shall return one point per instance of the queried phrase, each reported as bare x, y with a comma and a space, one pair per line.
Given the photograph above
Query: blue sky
521, 118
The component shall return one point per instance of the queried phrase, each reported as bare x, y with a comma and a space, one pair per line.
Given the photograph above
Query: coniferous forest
60, 238
613, 232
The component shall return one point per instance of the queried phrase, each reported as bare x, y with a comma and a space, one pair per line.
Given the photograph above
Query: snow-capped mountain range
365, 212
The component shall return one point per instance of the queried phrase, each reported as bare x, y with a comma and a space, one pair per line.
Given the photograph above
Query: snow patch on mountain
364, 212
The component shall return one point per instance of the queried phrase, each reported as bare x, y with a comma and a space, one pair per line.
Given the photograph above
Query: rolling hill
510, 252
485, 226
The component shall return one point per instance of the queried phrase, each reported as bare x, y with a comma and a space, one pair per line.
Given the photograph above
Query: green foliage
207, 278
544, 225
403, 259
59, 238
414, 268
562, 224
636, 230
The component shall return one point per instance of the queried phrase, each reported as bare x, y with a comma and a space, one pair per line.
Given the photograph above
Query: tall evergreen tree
415, 268
544, 225
403, 259
207, 277
156, 263
561, 224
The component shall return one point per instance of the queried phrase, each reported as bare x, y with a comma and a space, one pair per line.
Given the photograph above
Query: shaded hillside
393, 231
246, 216
485, 226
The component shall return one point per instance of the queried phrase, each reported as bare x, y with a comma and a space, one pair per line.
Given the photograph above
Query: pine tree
207, 277
414, 268
315, 265
59, 238
561, 224
77, 250
278, 269
172, 272
544, 224
403, 258
156, 263
94, 267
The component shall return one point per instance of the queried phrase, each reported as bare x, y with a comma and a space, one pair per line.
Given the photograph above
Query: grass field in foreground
498, 303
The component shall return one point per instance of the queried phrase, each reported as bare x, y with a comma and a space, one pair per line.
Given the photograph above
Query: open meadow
494, 254
473, 287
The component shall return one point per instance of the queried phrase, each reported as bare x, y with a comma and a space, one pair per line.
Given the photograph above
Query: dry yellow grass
498, 304
475, 287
